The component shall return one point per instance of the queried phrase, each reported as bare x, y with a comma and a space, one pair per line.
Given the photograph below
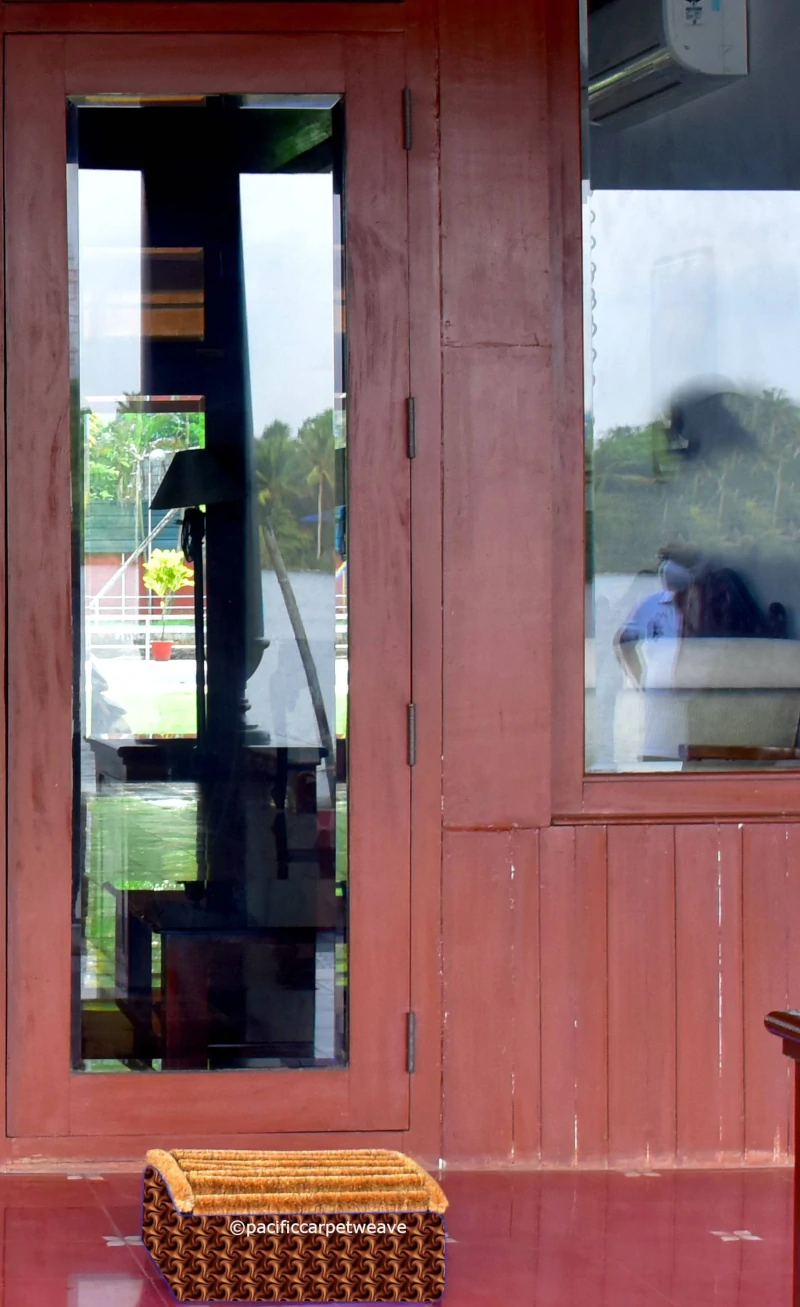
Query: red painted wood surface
666, 948
682, 797
3, 652
641, 993
141, 63
477, 923
496, 587
379, 577
186, 16
373, 1092
574, 996
495, 253
39, 595
566, 283
526, 1035
496, 416
708, 960
787, 1027
425, 384
770, 906
558, 922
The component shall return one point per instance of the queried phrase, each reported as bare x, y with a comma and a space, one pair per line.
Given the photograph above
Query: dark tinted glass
210, 583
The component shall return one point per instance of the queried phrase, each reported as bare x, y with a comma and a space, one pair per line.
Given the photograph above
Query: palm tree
275, 456
117, 450
279, 486
315, 440
275, 463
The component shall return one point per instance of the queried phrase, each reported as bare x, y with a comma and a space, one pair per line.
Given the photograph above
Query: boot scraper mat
349, 1225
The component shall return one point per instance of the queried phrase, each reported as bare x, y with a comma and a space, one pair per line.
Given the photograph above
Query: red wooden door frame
45, 1099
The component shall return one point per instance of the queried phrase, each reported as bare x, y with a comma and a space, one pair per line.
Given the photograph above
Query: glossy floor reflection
540, 1239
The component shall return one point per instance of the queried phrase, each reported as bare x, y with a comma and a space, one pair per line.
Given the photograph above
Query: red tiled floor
536, 1239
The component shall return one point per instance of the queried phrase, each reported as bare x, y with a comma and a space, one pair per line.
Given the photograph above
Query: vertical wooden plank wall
604, 986
660, 948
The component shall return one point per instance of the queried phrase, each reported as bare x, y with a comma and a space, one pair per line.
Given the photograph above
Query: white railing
114, 621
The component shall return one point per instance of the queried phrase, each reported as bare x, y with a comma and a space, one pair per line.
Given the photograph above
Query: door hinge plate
408, 129
411, 422
412, 734
411, 1042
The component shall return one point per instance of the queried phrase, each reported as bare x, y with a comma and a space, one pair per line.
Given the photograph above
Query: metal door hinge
411, 1042
412, 734
408, 133
411, 421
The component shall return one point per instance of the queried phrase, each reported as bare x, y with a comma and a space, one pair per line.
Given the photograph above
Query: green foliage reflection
741, 499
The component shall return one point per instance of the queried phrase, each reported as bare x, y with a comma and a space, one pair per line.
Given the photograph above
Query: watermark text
285, 1226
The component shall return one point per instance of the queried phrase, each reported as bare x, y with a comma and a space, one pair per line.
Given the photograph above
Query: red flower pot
162, 650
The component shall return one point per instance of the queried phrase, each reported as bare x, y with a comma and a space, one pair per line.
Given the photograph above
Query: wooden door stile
425, 471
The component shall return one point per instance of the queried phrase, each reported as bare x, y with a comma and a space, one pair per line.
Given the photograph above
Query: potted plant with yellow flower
165, 573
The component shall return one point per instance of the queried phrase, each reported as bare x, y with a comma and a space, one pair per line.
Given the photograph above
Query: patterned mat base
225, 1258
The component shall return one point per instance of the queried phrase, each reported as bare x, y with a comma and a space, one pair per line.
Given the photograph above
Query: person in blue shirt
658, 618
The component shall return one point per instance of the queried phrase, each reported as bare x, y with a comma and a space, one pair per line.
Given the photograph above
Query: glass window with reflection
210, 583
692, 384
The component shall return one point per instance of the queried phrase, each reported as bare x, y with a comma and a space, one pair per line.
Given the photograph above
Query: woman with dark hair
719, 603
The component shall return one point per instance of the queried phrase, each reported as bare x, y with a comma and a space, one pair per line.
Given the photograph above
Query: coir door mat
349, 1225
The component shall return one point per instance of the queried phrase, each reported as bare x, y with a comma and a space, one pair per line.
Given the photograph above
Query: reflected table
216, 966
152, 759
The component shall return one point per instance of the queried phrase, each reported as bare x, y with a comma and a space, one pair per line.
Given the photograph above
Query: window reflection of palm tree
274, 454
315, 441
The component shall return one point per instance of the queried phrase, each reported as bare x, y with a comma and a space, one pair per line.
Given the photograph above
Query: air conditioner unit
647, 56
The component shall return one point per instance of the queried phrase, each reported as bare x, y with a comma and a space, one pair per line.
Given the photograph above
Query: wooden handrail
786, 1025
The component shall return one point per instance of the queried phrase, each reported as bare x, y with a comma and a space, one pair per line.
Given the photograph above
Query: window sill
689, 796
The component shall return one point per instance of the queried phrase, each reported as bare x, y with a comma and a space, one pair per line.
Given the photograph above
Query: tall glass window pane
692, 374
210, 583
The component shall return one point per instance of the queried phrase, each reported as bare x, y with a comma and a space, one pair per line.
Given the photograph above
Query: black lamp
196, 477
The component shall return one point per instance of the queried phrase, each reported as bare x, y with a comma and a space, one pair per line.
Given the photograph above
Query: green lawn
172, 713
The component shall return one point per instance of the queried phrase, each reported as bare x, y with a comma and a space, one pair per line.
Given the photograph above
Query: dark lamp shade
194, 477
